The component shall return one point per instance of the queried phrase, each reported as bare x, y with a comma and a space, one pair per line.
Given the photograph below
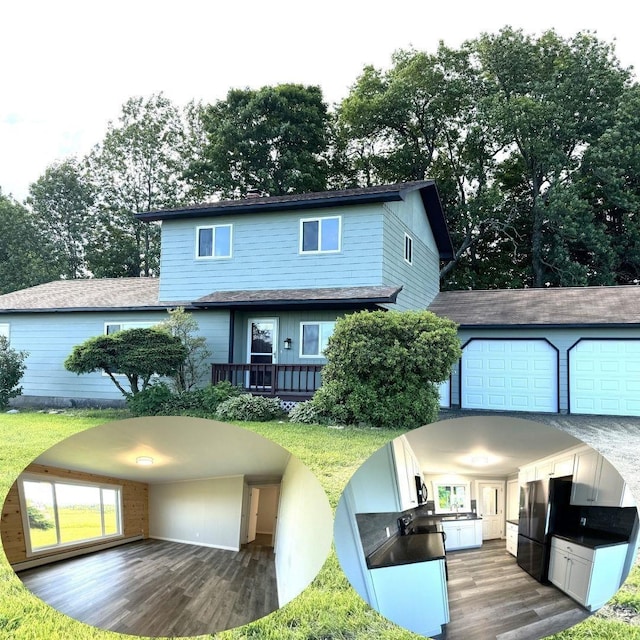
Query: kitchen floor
158, 588
492, 598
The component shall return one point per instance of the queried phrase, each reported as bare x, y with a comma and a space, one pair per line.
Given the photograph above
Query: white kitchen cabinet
462, 534
512, 538
407, 468
413, 596
555, 467
589, 576
596, 483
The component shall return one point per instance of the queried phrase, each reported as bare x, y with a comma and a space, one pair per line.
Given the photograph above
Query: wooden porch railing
270, 379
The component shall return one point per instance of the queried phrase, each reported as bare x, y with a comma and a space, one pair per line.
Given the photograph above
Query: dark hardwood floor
157, 588
492, 598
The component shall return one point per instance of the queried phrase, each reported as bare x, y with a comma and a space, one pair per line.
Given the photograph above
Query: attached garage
509, 375
564, 349
604, 377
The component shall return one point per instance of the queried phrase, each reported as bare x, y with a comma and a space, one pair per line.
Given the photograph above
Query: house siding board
49, 338
562, 339
266, 254
420, 280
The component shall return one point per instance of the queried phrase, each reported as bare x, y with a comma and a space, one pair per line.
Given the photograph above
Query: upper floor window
58, 513
408, 248
314, 338
320, 235
214, 241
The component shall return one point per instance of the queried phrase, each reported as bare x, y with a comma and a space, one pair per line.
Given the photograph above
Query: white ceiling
182, 449
508, 443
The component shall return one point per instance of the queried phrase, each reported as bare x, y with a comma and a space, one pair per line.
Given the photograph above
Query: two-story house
265, 278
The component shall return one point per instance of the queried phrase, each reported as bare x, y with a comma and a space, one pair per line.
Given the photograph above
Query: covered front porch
286, 381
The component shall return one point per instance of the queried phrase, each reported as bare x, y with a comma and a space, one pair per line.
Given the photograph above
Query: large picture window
320, 235
315, 336
213, 242
59, 513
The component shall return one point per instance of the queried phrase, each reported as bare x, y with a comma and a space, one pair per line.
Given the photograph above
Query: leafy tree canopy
138, 354
271, 140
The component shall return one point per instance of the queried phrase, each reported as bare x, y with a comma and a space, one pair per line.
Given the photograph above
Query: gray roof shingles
562, 306
142, 294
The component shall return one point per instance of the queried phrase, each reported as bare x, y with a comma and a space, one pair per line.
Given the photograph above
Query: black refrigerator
544, 509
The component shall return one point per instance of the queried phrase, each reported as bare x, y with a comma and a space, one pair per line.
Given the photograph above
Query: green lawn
328, 610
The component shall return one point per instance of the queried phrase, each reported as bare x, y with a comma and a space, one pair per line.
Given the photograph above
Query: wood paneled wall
135, 511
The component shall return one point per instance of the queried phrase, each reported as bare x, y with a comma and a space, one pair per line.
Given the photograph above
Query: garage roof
557, 307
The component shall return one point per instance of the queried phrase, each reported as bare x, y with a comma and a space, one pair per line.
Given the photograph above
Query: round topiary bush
249, 407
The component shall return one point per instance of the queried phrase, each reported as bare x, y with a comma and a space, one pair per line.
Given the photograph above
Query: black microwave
421, 489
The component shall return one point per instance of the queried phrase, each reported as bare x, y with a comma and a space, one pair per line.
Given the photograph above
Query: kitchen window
59, 513
408, 248
214, 241
314, 338
452, 497
320, 235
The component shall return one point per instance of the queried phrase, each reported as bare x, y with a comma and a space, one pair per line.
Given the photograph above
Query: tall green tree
272, 140
61, 201
138, 167
27, 257
609, 181
548, 99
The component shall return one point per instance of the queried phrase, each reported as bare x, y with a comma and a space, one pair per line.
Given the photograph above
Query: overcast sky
67, 66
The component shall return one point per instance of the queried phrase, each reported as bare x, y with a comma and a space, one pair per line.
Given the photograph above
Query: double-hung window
320, 235
59, 513
214, 241
314, 338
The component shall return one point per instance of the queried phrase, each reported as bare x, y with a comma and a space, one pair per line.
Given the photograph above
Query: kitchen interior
486, 527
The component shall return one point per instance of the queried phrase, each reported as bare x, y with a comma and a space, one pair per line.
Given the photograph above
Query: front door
262, 350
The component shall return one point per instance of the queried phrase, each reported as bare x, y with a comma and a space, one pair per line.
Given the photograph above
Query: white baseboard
197, 544
72, 553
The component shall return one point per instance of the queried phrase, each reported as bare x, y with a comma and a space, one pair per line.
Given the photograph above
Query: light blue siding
266, 254
420, 279
562, 339
50, 337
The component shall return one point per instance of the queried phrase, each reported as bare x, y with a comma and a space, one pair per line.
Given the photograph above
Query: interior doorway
261, 514
491, 503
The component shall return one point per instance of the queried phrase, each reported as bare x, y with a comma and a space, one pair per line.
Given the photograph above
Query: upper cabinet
552, 467
596, 483
407, 469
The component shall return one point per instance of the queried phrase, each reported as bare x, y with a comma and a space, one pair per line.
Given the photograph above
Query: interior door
491, 509
262, 350
253, 514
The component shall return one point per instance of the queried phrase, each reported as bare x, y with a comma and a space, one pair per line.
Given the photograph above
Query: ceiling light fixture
479, 461
145, 461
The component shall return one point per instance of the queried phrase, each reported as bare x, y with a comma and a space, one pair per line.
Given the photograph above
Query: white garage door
510, 375
604, 377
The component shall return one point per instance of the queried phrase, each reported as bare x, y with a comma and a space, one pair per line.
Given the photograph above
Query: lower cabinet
413, 596
512, 538
463, 534
589, 576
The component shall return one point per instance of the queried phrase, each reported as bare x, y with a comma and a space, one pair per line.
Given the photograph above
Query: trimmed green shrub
251, 408
158, 399
305, 413
12, 368
383, 368
150, 401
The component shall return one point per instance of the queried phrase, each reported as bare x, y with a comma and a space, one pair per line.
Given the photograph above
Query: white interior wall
304, 530
203, 512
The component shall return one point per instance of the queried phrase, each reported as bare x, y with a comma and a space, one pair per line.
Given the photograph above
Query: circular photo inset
166, 526
486, 527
